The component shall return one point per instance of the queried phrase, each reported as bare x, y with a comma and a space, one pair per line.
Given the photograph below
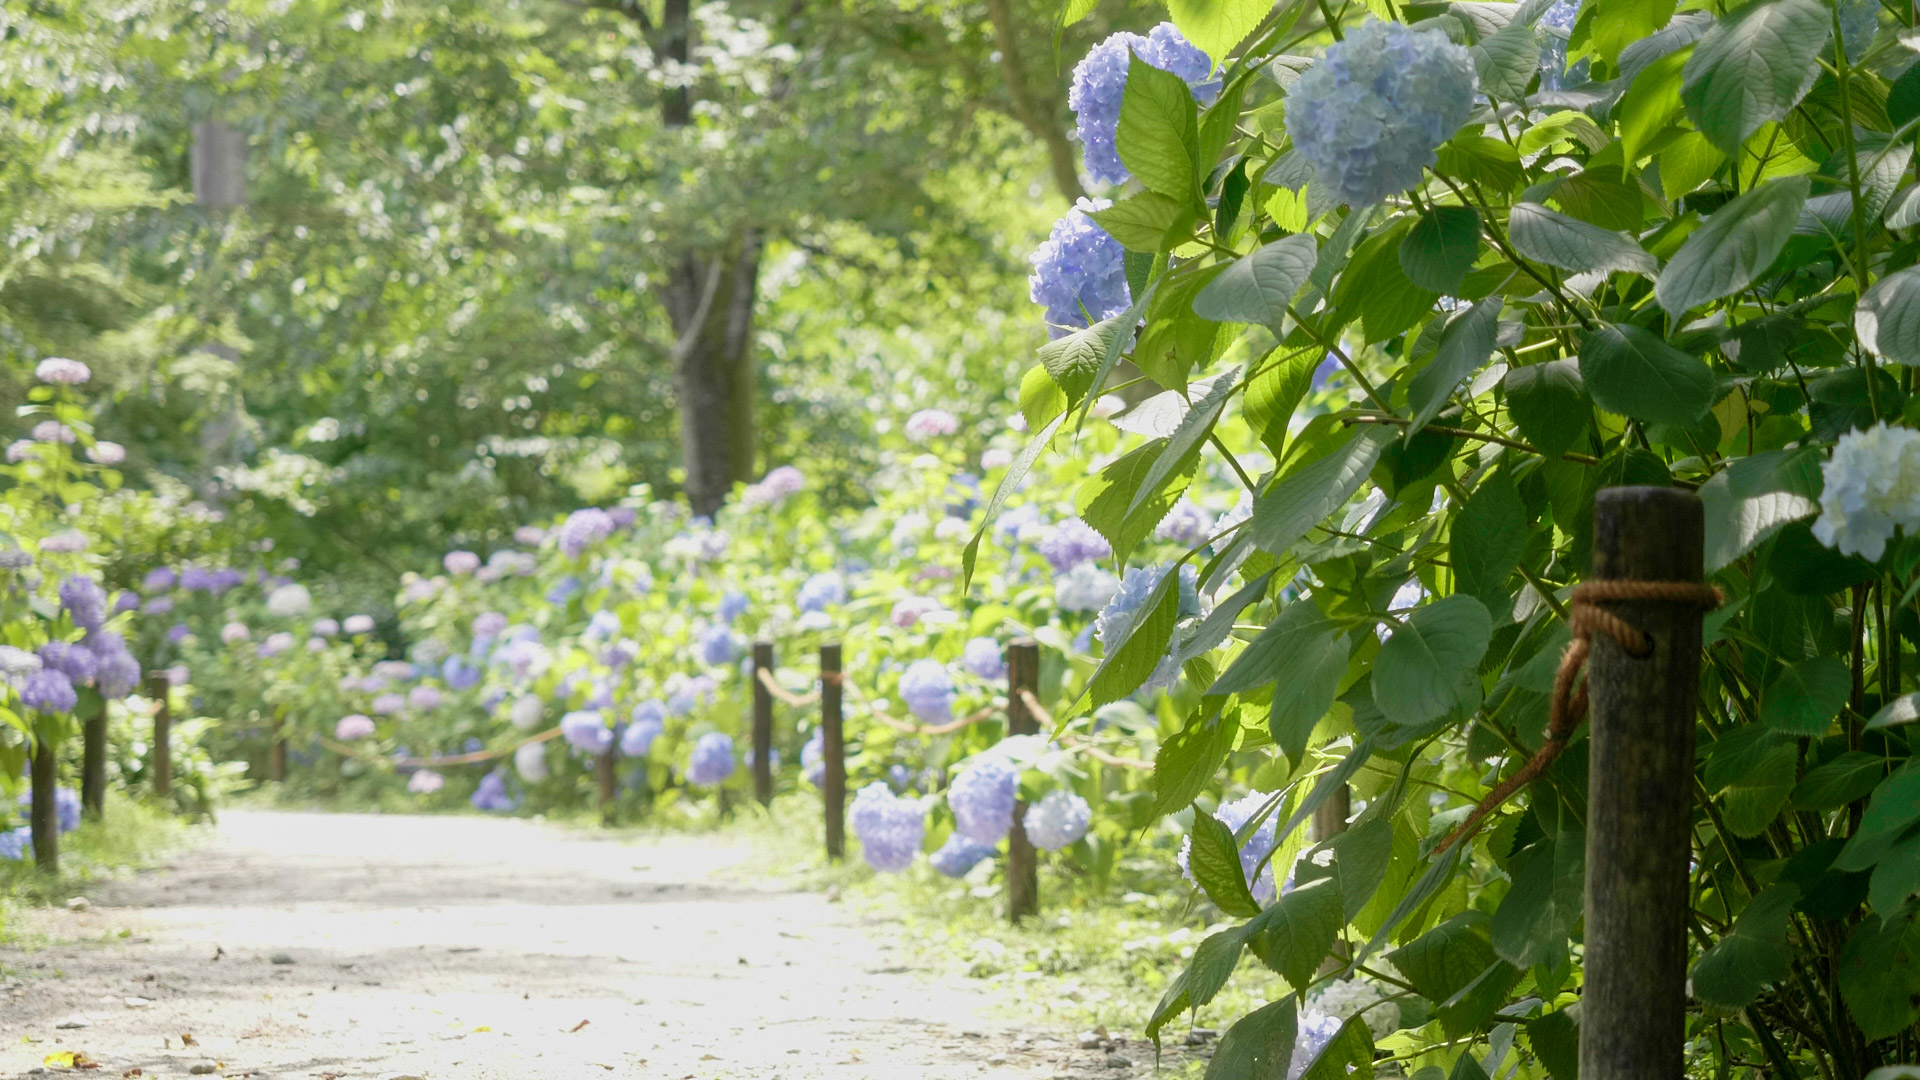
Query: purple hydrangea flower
353, 727
489, 624
717, 645
712, 760
60, 370
1071, 543
647, 721
959, 855
16, 844
583, 529
983, 658
66, 808
1058, 820
85, 601
491, 794
586, 730
822, 591
1185, 524
426, 782
1234, 815
388, 704
982, 798
49, 690
1558, 22
424, 698
1079, 272
460, 562
459, 673
782, 482
65, 542
929, 424
76, 662
117, 672
1100, 82
927, 690
889, 828
358, 624
159, 579
1117, 617
529, 535
733, 605
813, 761
1370, 113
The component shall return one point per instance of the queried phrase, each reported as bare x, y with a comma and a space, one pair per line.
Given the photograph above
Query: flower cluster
928, 691
1079, 272
959, 854
1100, 84
1071, 543
587, 731
1873, 488
712, 760
1254, 851
1058, 820
929, 424
982, 657
890, 829
1370, 113
982, 798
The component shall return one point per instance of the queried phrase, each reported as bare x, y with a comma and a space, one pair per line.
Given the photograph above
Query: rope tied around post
1585, 618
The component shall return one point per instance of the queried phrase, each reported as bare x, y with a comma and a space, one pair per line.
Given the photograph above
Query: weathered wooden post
833, 753
160, 761
1640, 779
93, 757
277, 753
1023, 865
43, 815
762, 723
604, 779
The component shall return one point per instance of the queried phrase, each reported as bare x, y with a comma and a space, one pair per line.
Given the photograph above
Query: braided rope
1585, 619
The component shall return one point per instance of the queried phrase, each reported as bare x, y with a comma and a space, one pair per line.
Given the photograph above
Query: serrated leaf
1215, 861
1107, 502
1199, 421
1293, 505
1073, 360
1635, 373
1346, 1056
1734, 246
1147, 221
1158, 134
1212, 965
1553, 238
1259, 1045
1376, 292
1904, 709
1130, 663
1753, 770
1903, 212
1041, 399
1650, 105
1307, 683
1847, 778
1465, 345
1507, 60
1216, 26
1549, 402
1876, 980
1888, 317
1184, 765
1895, 808
1756, 498
1258, 287
1274, 394
1606, 27
1752, 66
1428, 665
1009, 483
1804, 698
1752, 955
1297, 931
1441, 247
1172, 1003
1488, 537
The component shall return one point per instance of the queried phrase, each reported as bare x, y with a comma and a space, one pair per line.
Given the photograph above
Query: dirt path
311, 945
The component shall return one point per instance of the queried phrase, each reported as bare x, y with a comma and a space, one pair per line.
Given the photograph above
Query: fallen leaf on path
578, 1026
186, 1039
135, 1071
69, 1059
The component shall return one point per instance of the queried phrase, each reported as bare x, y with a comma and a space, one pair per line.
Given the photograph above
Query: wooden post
160, 764
43, 815
93, 758
833, 753
603, 775
1023, 865
277, 753
1640, 797
762, 723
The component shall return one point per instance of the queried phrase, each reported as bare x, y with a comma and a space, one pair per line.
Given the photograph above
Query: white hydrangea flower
1873, 487
1342, 998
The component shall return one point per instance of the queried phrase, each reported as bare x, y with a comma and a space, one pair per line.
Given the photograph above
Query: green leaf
1805, 697
1752, 66
1605, 27
1041, 399
1009, 483
1847, 778
1172, 1003
1297, 931
1191, 432
1752, 955
1215, 861
1549, 402
1650, 104
1074, 360
1159, 135
1128, 665
1755, 498
1635, 373
1258, 287
1147, 221
1895, 809
1219, 622
1888, 317
1507, 60
1346, 1056
1903, 210
1124, 501
1184, 764
1293, 505
1274, 394
1754, 767
1546, 901
1374, 290
1904, 709
1437, 875
1216, 26
1877, 979
1555, 1038
1734, 246
1259, 1045
1441, 247
1465, 345
1361, 855
1547, 236
1213, 963
1431, 663
1489, 536
1307, 657
1448, 958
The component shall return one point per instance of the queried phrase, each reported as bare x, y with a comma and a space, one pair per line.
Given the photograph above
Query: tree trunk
43, 813
710, 300
1041, 118
93, 762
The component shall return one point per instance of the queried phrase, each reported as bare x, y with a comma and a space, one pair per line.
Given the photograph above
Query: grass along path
349, 945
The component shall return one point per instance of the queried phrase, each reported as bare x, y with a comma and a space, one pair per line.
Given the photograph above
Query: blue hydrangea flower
983, 658
583, 529
928, 691
959, 855
603, 626
1100, 82
1071, 543
712, 759
1557, 23
16, 843
717, 645
85, 601
813, 760
1079, 272
890, 829
76, 662
1235, 814
66, 808
1185, 524
646, 722
1085, 588
492, 793
733, 605
117, 672
982, 798
1118, 616
1008, 526
1315, 1030
459, 673
159, 579
1058, 820
822, 591
1370, 113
